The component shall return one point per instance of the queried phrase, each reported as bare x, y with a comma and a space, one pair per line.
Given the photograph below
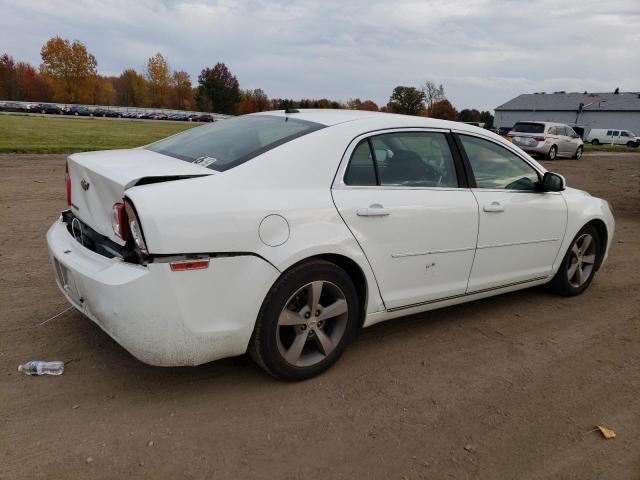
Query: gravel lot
507, 387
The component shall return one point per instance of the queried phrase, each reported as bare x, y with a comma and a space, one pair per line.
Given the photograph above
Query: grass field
609, 148
55, 134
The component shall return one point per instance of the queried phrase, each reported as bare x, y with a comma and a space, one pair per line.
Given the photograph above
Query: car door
404, 197
614, 139
573, 141
520, 228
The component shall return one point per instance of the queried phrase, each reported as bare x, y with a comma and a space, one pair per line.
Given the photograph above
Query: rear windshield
227, 143
529, 127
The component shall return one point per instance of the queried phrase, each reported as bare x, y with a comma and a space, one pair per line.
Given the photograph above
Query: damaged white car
282, 233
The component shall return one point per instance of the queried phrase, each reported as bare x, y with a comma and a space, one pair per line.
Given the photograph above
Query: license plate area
68, 282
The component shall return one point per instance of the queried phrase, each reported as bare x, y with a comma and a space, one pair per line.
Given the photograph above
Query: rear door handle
375, 210
493, 207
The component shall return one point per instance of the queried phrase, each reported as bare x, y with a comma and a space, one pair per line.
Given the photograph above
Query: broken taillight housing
67, 180
119, 221
135, 228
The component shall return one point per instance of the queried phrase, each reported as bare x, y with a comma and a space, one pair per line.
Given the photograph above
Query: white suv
613, 137
548, 139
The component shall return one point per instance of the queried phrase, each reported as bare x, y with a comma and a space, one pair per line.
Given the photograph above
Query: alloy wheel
582, 260
312, 323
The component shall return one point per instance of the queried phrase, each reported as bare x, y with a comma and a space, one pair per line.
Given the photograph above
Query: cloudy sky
483, 52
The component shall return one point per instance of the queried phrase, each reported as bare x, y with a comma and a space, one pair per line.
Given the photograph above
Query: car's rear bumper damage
163, 317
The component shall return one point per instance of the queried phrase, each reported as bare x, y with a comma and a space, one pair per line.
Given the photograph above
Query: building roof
561, 101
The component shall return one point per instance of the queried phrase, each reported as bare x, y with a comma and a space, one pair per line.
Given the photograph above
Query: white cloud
484, 52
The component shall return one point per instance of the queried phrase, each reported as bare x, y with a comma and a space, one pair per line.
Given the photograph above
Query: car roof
366, 119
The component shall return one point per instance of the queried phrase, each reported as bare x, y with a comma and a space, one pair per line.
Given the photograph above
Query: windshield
527, 127
227, 143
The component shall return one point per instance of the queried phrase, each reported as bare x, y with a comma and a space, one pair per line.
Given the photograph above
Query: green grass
58, 134
609, 148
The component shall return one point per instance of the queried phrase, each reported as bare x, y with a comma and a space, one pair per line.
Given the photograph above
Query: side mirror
552, 182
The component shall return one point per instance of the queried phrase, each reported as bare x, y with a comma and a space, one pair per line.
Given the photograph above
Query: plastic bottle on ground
38, 367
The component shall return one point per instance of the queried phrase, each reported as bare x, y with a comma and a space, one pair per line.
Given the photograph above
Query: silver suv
546, 138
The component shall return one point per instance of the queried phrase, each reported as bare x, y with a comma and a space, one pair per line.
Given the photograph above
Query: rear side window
361, 171
528, 127
405, 159
227, 143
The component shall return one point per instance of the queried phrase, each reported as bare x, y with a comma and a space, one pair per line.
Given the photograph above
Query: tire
578, 154
569, 284
632, 144
553, 153
294, 351
595, 141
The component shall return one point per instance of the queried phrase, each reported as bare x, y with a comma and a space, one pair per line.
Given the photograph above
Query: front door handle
494, 207
375, 210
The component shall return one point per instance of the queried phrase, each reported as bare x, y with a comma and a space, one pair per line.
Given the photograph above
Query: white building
591, 110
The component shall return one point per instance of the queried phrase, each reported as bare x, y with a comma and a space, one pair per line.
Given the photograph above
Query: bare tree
432, 93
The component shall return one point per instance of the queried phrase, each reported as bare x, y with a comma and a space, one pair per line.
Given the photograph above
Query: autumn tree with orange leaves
71, 68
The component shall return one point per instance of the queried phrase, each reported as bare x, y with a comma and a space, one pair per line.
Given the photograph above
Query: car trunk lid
99, 181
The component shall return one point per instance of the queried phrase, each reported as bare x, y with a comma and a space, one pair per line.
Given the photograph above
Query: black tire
578, 154
264, 345
632, 144
561, 283
553, 153
595, 141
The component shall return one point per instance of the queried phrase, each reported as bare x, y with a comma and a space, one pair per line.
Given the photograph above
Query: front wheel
553, 153
579, 264
578, 154
632, 144
306, 321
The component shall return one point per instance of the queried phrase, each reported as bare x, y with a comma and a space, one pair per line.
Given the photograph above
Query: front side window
624, 134
570, 132
405, 159
227, 143
496, 167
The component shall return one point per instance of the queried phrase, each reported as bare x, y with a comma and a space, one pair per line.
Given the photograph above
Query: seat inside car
405, 167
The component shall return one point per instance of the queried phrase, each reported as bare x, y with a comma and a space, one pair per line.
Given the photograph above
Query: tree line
69, 74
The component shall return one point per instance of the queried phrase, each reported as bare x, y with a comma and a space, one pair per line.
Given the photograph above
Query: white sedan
283, 233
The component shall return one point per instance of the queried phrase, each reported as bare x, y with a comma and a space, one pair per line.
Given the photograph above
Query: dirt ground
508, 387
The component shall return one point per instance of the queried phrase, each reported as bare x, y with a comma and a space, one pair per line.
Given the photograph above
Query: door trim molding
524, 242
432, 252
467, 294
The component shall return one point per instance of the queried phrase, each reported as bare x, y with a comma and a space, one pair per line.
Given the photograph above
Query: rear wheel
553, 153
306, 321
578, 154
579, 264
595, 141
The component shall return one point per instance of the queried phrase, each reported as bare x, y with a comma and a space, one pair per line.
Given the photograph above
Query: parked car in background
49, 108
202, 118
283, 233
78, 111
12, 107
178, 117
547, 139
605, 136
103, 112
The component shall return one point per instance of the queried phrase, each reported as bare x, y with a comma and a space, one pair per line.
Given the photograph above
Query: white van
616, 137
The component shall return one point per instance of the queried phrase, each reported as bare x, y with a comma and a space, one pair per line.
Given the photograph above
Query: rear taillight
135, 228
539, 139
67, 180
119, 221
